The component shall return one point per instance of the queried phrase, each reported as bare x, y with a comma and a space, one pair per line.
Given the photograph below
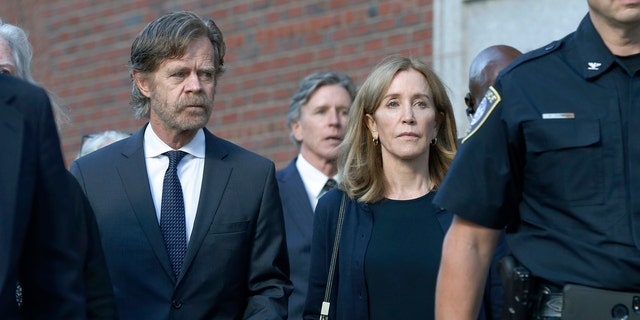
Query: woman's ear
440, 119
371, 124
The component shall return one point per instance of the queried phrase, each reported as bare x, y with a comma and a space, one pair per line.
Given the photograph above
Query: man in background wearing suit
191, 224
38, 229
317, 118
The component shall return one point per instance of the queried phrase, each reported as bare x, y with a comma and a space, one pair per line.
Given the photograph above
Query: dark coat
39, 238
236, 262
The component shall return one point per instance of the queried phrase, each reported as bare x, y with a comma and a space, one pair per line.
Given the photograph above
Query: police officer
561, 165
484, 70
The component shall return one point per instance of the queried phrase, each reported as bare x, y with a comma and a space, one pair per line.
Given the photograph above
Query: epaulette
534, 54
492, 98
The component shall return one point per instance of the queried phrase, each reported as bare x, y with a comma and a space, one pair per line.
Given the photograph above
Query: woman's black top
402, 259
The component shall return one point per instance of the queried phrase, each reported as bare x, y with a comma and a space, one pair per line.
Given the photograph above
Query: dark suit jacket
38, 230
101, 304
298, 223
236, 263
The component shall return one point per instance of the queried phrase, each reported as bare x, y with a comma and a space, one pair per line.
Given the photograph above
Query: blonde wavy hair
360, 160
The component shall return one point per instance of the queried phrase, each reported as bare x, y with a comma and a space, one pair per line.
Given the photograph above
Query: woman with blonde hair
400, 141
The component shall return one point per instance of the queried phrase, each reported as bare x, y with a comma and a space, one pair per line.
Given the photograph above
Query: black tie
327, 186
172, 221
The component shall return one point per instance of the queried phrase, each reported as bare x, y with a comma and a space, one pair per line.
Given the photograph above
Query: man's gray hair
309, 85
168, 37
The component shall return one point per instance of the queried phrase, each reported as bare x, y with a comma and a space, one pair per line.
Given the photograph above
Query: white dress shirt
313, 179
190, 172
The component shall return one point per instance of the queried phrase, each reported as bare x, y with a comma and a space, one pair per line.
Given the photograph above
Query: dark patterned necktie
172, 220
329, 185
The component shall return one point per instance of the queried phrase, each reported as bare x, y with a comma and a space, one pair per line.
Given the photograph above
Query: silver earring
376, 141
434, 141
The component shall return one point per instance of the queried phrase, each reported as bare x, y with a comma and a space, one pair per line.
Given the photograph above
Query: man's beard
176, 117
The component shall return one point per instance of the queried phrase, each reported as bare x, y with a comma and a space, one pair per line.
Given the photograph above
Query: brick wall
81, 48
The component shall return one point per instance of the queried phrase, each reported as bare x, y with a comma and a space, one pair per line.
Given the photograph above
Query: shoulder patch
488, 103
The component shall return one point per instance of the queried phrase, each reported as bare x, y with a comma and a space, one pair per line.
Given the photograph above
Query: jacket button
177, 304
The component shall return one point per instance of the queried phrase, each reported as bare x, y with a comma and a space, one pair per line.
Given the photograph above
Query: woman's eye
392, 103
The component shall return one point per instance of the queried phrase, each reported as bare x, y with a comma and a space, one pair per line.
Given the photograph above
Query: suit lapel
214, 180
133, 172
295, 197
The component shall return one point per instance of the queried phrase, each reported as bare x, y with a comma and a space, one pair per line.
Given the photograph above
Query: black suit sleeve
51, 266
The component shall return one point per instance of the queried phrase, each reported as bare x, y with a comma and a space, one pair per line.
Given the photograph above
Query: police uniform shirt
557, 141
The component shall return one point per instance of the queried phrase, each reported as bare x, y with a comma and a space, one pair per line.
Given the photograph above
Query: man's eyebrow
211, 69
178, 67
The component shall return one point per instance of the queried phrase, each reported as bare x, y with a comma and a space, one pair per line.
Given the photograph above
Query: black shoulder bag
324, 311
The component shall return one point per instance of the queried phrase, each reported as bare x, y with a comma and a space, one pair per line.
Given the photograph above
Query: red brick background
81, 49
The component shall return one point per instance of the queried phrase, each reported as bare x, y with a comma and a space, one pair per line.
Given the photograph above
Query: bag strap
324, 311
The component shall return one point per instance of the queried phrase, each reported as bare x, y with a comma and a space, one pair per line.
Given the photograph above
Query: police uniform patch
488, 103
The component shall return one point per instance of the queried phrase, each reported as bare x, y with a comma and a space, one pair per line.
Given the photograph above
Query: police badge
488, 103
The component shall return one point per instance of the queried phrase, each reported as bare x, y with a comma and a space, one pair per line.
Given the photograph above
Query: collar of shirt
595, 57
313, 179
190, 171
154, 147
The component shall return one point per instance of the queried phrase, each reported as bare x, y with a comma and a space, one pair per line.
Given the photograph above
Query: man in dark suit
38, 229
317, 118
15, 60
191, 224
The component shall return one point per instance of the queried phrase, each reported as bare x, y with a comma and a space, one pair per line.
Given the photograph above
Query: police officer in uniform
484, 70
560, 166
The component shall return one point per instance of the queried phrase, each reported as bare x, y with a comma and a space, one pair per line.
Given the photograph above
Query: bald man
483, 71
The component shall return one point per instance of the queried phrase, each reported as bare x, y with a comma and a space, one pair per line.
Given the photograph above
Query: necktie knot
175, 157
329, 185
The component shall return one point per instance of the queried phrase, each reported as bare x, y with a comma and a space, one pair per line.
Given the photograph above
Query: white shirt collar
313, 179
154, 147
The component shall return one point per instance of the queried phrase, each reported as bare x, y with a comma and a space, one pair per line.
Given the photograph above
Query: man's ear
296, 130
142, 82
